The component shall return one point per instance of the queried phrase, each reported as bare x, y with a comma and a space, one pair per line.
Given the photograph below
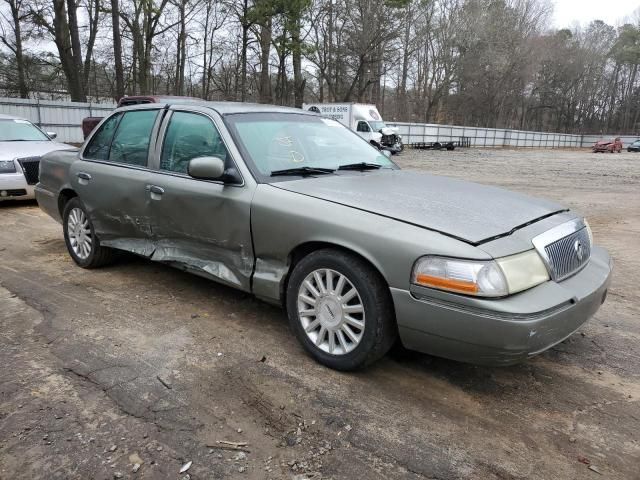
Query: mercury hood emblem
577, 247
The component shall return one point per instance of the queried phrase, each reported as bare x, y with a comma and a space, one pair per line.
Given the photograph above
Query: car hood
11, 150
467, 211
388, 131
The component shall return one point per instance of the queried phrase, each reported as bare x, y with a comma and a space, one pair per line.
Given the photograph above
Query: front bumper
15, 187
393, 148
502, 331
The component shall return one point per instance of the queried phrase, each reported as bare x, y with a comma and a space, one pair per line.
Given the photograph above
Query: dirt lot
139, 363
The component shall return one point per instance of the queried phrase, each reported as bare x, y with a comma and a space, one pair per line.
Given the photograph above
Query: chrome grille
31, 168
569, 254
389, 139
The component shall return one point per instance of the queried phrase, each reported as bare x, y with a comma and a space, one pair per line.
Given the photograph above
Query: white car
21, 146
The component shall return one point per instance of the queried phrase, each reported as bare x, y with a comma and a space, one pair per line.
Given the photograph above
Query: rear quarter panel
54, 178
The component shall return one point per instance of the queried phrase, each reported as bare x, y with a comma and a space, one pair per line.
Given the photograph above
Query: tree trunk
76, 51
265, 49
117, 49
93, 10
22, 83
298, 81
404, 104
181, 53
205, 58
72, 73
243, 53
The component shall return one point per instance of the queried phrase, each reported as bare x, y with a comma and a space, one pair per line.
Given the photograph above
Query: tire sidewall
365, 287
71, 204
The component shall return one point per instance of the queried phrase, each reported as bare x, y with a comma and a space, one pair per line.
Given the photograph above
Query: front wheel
340, 309
80, 238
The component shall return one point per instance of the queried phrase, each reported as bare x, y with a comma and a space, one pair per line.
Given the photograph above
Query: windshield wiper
360, 166
302, 171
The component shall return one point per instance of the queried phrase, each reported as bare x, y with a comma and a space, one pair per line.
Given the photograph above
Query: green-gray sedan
299, 211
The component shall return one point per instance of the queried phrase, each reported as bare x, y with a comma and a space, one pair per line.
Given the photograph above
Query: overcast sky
567, 12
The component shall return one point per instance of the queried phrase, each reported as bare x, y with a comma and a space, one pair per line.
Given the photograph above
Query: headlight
523, 271
489, 278
589, 232
479, 278
7, 166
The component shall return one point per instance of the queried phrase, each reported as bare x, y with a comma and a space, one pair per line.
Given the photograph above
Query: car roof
10, 117
223, 108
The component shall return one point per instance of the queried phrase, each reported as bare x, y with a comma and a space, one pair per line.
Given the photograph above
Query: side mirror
52, 135
206, 168
386, 153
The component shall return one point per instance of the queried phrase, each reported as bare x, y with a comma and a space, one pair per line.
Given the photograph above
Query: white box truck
363, 119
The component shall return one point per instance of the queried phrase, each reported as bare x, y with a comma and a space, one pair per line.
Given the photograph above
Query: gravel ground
133, 371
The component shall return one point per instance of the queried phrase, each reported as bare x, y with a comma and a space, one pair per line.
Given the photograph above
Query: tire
379, 329
437, 146
95, 255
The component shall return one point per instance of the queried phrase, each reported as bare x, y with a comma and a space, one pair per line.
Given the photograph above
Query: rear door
112, 177
200, 225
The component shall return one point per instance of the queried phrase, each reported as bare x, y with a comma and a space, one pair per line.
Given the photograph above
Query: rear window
130, 144
123, 138
98, 148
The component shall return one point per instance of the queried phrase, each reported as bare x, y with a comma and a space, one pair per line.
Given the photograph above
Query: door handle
155, 189
83, 178
155, 192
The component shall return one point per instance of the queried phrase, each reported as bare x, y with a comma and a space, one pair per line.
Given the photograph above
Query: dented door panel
203, 227
117, 202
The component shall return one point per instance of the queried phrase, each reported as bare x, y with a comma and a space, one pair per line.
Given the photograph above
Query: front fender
282, 220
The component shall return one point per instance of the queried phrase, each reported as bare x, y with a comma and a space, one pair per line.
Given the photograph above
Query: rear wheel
80, 238
340, 309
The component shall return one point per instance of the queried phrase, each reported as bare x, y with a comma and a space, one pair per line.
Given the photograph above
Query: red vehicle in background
610, 146
89, 123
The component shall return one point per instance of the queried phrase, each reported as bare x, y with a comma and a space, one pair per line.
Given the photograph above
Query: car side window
363, 127
98, 148
190, 135
131, 142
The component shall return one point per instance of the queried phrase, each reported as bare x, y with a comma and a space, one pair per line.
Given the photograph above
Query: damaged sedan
299, 211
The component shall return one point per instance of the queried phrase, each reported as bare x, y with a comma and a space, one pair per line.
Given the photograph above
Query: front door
364, 130
199, 225
112, 177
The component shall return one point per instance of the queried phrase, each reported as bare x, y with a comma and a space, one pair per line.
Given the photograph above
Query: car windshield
281, 141
16, 130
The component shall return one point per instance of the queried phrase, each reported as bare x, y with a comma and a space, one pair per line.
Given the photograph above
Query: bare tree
478, 62
117, 49
11, 37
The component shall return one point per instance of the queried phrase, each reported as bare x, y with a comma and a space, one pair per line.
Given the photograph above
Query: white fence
495, 137
64, 118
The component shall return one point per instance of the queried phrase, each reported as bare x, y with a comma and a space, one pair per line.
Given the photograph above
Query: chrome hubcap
331, 311
79, 233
